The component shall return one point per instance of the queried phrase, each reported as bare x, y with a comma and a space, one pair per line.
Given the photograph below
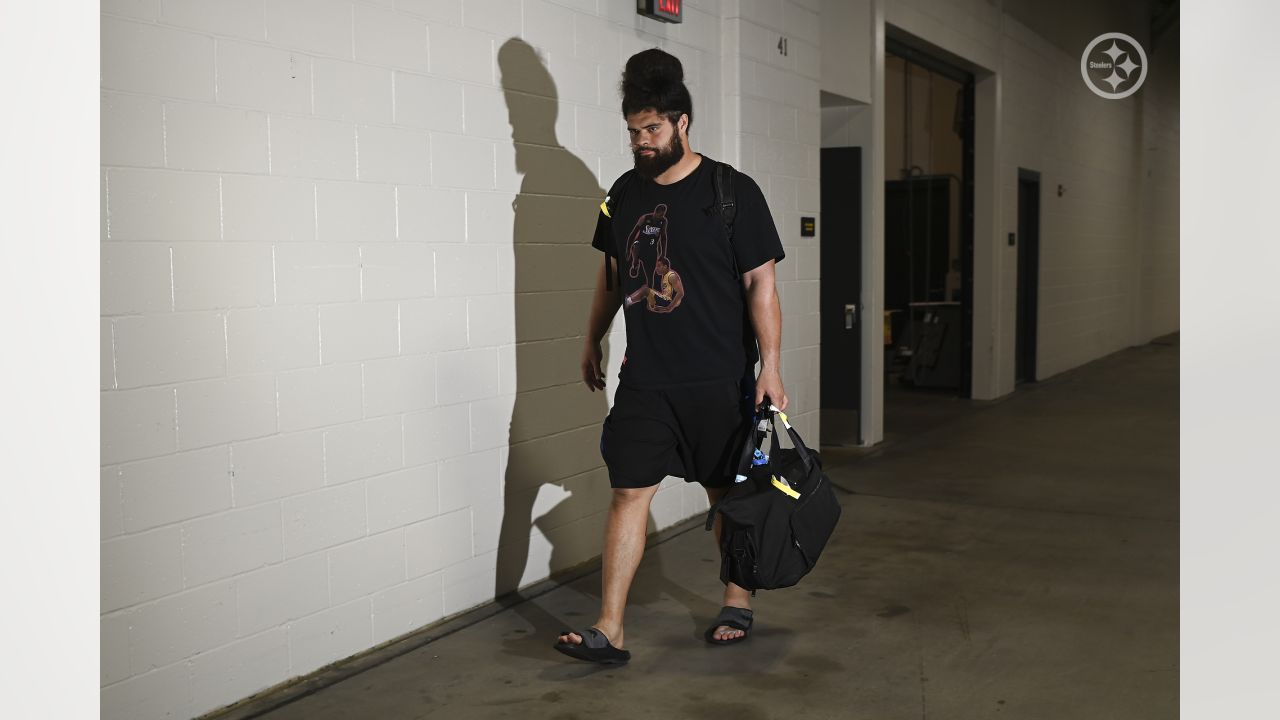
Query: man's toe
724, 632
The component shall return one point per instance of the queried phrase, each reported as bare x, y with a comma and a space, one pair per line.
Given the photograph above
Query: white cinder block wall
776, 134
345, 273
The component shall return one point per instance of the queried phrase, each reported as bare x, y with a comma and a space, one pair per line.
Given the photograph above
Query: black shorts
692, 432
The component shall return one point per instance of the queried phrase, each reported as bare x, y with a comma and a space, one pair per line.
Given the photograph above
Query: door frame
935, 64
986, 378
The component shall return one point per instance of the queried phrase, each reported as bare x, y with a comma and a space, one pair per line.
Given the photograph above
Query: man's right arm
604, 305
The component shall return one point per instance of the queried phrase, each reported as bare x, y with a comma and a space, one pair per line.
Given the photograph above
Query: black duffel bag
778, 514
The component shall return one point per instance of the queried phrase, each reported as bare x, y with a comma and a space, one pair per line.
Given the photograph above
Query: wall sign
807, 226
664, 10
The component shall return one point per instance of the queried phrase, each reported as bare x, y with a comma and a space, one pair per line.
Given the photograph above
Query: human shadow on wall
555, 479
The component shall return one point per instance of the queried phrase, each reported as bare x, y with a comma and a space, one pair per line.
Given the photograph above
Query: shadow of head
532, 110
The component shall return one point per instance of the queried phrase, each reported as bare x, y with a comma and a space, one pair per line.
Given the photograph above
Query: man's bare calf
624, 543
624, 539
734, 596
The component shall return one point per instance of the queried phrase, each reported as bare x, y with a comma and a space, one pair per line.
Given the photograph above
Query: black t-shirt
685, 309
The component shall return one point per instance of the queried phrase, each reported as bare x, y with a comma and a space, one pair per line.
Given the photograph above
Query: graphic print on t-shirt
661, 289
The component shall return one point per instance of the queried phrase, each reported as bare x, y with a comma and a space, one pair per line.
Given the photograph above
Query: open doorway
928, 236
846, 333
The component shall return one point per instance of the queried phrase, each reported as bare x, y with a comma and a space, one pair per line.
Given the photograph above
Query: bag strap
749, 447
752, 443
722, 181
806, 455
755, 434
610, 204
772, 414
726, 202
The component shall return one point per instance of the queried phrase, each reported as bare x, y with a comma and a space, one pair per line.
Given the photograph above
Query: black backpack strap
610, 204
722, 183
722, 180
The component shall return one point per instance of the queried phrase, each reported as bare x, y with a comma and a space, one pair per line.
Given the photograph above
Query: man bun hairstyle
654, 79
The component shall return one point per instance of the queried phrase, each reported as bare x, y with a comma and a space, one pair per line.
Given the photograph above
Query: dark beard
663, 158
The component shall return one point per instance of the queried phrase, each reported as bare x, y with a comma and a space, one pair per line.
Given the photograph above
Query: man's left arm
766, 318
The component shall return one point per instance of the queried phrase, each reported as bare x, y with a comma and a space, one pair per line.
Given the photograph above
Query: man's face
654, 143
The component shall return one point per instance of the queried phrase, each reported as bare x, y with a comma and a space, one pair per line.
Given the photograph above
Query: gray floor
1018, 560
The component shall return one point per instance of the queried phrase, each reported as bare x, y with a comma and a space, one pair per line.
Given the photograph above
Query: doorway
928, 237
1028, 242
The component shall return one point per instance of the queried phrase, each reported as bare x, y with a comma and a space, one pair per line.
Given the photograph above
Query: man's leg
734, 596
624, 538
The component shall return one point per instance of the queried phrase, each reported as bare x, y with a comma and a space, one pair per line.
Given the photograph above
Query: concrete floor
1019, 560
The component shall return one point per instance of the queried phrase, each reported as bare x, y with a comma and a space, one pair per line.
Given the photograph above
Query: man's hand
591, 359
769, 382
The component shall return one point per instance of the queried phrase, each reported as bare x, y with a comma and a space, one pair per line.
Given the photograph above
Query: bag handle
745, 457
806, 455
749, 447
752, 444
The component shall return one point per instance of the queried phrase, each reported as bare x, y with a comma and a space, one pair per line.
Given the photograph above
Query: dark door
840, 297
1028, 240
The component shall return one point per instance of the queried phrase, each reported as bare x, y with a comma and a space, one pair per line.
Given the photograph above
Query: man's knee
630, 497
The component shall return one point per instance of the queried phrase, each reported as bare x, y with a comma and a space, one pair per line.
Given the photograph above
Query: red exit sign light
664, 10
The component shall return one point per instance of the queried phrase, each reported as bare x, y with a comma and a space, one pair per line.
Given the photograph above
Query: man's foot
595, 647
730, 626
737, 597
613, 632
724, 632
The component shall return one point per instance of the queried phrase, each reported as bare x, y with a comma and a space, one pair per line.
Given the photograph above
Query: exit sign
664, 10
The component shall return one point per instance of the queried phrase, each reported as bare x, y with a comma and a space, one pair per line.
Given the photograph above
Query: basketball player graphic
647, 255
665, 299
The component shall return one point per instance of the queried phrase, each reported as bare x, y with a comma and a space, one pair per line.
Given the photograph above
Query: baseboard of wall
297, 688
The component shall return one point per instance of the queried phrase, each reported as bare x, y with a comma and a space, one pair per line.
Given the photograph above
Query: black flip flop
734, 617
595, 647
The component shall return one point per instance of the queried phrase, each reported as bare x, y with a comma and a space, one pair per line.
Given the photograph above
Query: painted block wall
776, 141
846, 38
345, 276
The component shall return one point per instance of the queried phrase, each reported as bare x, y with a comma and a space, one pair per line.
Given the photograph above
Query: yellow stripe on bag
604, 208
784, 487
